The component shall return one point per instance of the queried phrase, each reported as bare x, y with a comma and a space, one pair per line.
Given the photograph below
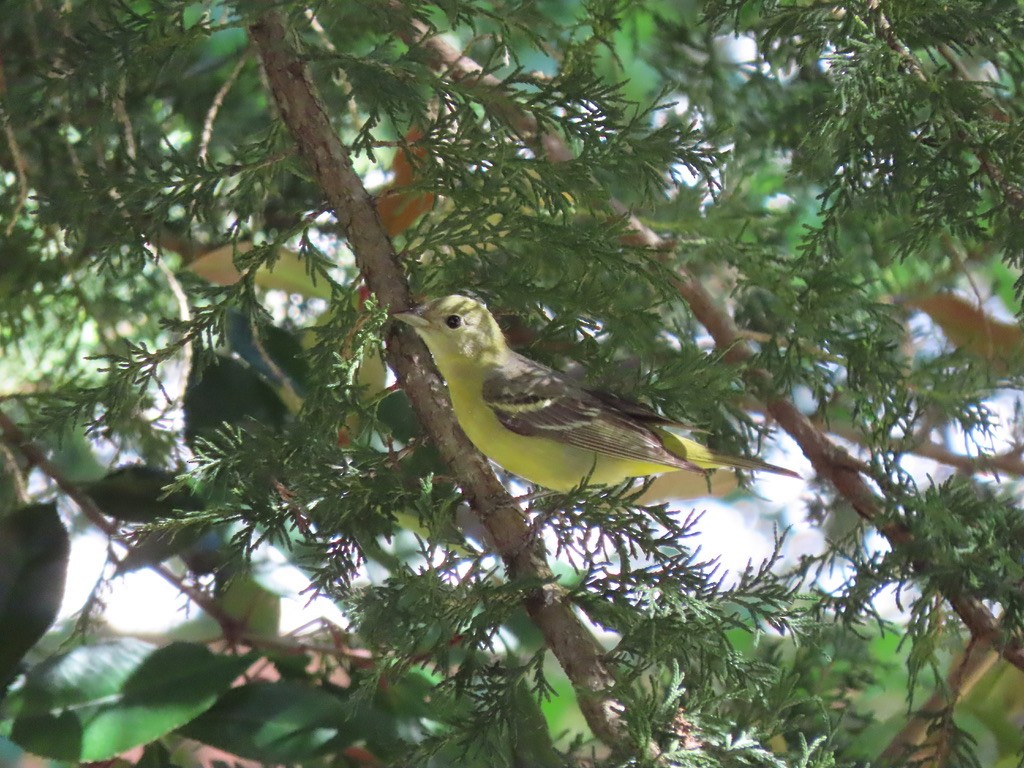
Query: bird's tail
698, 455
752, 464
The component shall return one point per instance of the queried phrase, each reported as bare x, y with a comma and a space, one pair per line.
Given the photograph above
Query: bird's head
457, 330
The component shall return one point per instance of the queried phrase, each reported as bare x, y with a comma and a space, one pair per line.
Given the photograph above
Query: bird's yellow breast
539, 460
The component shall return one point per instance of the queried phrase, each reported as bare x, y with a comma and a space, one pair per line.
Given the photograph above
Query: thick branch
303, 112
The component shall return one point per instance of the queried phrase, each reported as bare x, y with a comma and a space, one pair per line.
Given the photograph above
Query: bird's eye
453, 321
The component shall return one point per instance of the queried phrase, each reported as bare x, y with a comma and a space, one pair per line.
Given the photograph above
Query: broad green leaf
33, 565
561, 709
95, 702
531, 738
281, 722
1003, 280
229, 392
156, 755
135, 494
73, 455
155, 546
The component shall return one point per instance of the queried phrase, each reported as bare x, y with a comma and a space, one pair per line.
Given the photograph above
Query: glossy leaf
156, 546
273, 353
229, 392
281, 722
95, 702
251, 605
530, 738
156, 755
34, 551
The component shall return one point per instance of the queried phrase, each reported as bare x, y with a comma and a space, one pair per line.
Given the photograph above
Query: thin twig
832, 462
121, 113
185, 315
236, 168
1013, 194
11, 474
217, 103
321, 33
20, 173
888, 34
1009, 462
954, 62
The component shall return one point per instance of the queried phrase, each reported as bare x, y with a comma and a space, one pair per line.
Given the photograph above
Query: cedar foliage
187, 338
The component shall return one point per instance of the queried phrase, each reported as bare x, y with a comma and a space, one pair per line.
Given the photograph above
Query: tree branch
1008, 462
303, 112
833, 462
829, 460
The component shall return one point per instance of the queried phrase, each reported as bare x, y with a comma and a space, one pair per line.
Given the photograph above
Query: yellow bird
539, 424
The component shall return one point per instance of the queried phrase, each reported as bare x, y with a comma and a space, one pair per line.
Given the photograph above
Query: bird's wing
642, 413
533, 400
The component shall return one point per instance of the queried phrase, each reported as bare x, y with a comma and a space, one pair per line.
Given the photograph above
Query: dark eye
453, 321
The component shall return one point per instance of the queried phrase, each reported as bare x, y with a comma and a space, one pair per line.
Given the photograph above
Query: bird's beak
413, 317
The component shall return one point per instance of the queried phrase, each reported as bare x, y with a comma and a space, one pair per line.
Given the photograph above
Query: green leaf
96, 702
229, 392
33, 565
152, 547
156, 755
73, 455
251, 605
1003, 280
396, 413
135, 494
531, 738
281, 722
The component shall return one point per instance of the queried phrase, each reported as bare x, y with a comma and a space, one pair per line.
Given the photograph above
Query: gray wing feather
531, 399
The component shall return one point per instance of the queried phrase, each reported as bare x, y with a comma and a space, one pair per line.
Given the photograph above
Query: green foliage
817, 167
95, 702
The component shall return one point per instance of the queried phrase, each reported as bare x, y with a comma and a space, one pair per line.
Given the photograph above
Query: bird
542, 425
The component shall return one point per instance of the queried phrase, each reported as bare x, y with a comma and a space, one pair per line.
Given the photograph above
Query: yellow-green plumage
540, 425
